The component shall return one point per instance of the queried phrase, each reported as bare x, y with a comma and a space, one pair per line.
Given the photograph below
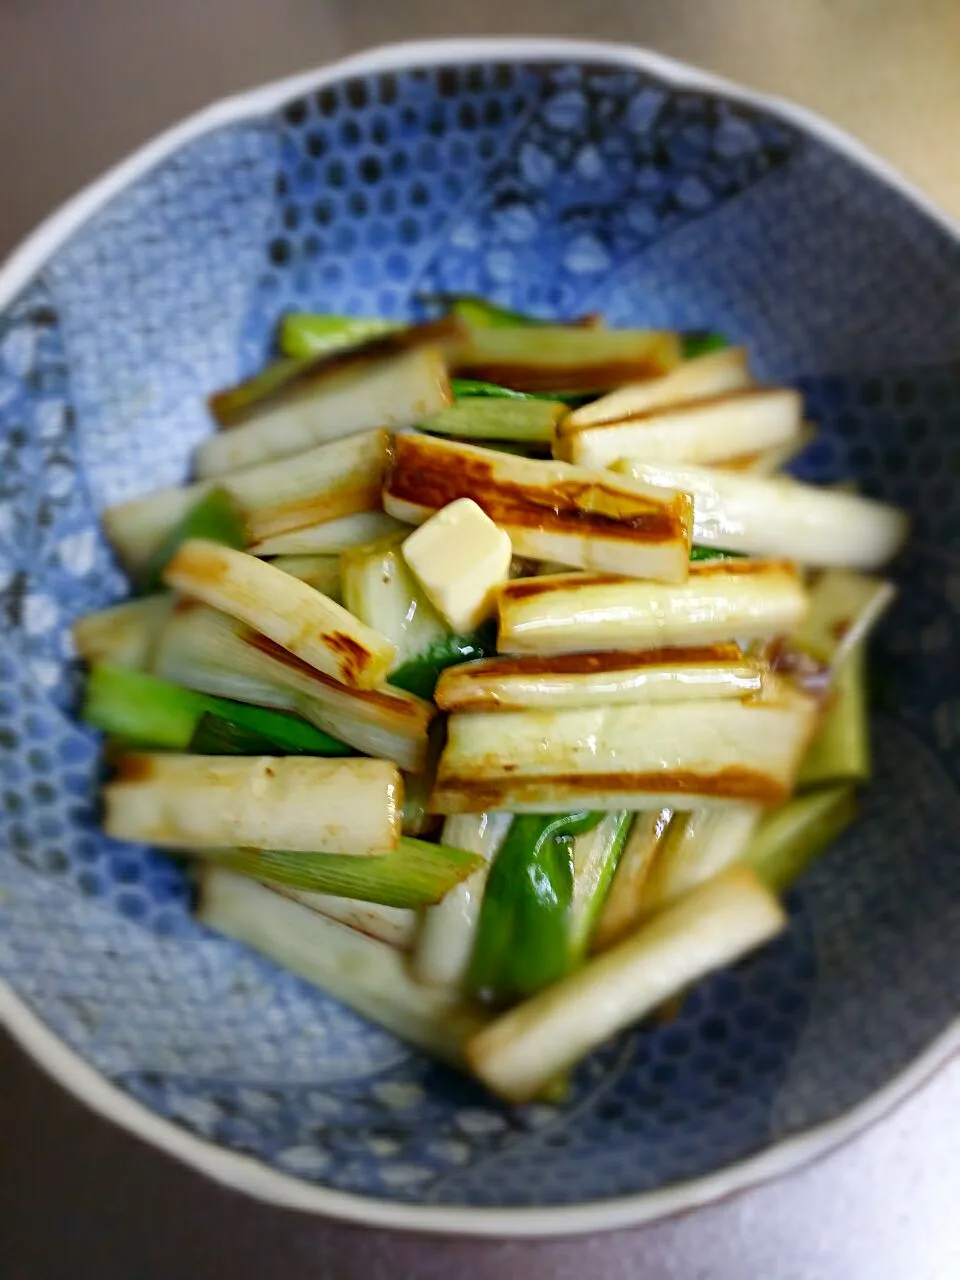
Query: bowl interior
555, 187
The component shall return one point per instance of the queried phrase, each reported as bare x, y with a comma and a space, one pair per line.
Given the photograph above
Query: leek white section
125, 634
449, 929
779, 516
207, 650
844, 609
397, 926
701, 378
326, 484
721, 601
622, 909
698, 846
395, 392
706, 432
636, 757
302, 620
332, 536
599, 679
300, 803
380, 590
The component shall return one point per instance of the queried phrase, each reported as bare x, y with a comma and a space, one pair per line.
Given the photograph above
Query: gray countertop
83, 81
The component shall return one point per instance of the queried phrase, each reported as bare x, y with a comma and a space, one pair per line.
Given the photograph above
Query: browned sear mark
572, 664
267, 522
741, 568
202, 565
409, 708
354, 657
135, 767
529, 588
587, 376
732, 783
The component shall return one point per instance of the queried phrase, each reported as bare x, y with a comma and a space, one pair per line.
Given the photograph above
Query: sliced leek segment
722, 920
721, 601
642, 756
309, 625
301, 803
779, 516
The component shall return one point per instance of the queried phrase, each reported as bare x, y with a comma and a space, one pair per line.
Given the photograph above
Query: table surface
84, 81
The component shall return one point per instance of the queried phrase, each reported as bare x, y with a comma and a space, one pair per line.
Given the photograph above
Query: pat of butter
460, 558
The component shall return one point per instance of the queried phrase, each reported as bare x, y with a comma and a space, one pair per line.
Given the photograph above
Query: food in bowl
493, 673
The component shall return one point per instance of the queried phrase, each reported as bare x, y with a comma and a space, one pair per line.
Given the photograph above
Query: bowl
559, 177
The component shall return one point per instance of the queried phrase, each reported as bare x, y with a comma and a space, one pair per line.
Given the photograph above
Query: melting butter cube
460, 558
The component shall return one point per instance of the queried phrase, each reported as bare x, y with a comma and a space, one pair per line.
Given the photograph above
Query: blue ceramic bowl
559, 178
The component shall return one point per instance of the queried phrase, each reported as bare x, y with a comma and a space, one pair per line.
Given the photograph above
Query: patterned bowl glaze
557, 177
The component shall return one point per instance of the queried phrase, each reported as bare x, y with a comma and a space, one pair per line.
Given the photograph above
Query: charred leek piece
480, 418
380, 590
331, 537
697, 846
318, 571
415, 874
599, 679
589, 519
125, 634
556, 358
309, 625
420, 674
449, 929
300, 803
366, 974
397, 926
779, 516
703, 378
204, 649
521, 941
304, 334
721, 601
622, 909
841, 750
215, 517
713, 926
151, 712
704, 432
639, 757
844, 609
319, 487
331, 397
595, 854
791, 837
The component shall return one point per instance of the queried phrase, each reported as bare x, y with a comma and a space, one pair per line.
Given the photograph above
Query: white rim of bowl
243, 1173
